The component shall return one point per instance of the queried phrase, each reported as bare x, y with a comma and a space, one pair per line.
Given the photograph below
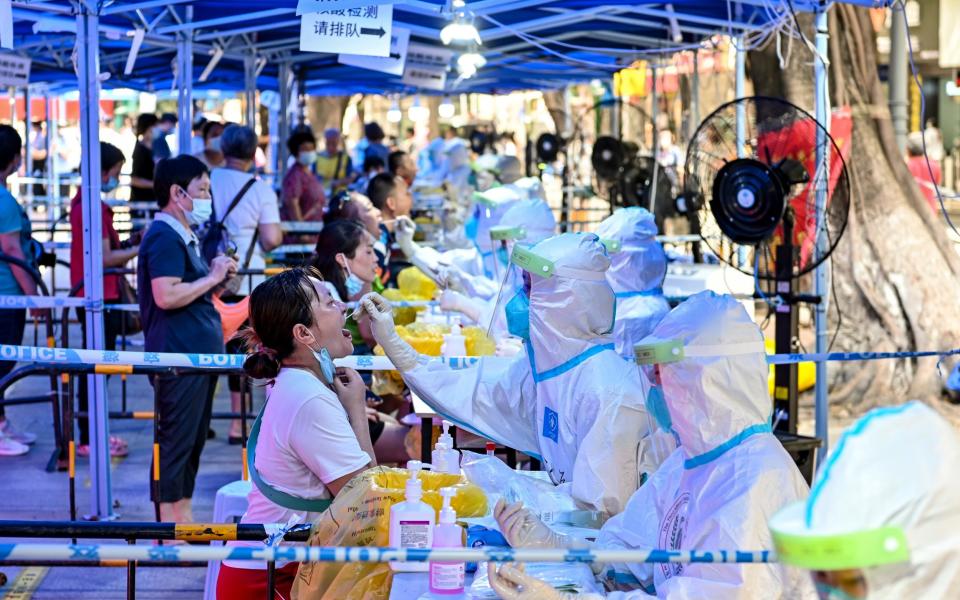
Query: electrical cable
899, 5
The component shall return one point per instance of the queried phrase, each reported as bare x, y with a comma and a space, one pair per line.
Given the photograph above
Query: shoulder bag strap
271, 493
237, 198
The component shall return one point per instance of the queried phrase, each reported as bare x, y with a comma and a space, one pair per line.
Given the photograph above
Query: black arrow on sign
370, 31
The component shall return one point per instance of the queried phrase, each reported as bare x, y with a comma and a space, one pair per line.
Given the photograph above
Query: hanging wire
899, 5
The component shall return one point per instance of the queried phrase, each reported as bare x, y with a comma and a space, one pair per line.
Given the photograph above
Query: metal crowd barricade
132, 555
131, 532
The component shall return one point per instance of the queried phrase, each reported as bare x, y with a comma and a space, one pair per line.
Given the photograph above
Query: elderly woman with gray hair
250, 211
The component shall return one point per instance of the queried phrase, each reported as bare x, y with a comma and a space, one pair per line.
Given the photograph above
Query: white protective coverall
893, 473
536, 219
469, 270
570, 400
636, 273
728, 476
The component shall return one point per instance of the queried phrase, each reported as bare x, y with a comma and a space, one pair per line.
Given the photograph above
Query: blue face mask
828, 592
518, 316
326, 365
503, 257
110, 185
657, 407
472, 227
354, 285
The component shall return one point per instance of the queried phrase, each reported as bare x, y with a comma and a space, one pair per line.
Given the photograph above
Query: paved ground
29, 492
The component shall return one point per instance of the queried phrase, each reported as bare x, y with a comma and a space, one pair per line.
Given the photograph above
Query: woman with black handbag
116, 289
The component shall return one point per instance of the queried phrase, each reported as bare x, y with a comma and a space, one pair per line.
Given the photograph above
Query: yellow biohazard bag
360, 516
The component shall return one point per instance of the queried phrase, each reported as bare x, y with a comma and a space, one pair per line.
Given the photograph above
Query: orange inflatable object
232, 316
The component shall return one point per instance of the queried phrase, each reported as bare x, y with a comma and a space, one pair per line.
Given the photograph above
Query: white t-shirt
305, 442
259, 205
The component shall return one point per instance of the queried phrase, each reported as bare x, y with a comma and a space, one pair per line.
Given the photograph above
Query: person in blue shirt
175, 286
15, 242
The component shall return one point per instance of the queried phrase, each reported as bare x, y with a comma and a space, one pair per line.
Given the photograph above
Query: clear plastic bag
574, 578
550, 503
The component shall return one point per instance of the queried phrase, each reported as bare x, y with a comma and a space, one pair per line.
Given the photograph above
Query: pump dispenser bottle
454, 343
412, 521
444, 458
447, 578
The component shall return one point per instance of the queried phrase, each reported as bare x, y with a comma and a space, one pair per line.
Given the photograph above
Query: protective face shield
488, 209
564, 276
885, 503
502, 239
706, 361
457, 154
485, 168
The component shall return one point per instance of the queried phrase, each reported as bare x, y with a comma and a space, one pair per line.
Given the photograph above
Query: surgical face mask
657, 407
354, 284
518, 316
307, 158
214, 144
327, 368
829, 592
202, 209
472, 227
110, 185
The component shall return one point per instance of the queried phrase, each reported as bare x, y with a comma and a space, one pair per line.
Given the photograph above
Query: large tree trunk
326, 111
895, 270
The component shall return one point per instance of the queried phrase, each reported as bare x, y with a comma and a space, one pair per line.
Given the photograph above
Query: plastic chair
229, 506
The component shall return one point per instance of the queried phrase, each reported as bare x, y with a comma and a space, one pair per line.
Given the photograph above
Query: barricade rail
69, 552
31, 554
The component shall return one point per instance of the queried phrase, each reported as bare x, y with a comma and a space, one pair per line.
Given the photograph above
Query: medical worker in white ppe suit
470, 270
883, 517
527, 222
716, 491
638, 267
570, 399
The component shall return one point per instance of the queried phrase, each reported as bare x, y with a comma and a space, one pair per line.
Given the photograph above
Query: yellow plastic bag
360, 516
412, 282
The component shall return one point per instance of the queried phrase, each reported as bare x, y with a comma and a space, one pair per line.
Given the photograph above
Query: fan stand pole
786, 331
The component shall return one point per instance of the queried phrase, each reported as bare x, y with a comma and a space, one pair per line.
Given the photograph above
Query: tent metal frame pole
53, 207
897, 77
740, 78
27, 130
694, 96
285, 83
250, 90
654, 113
88, 44
185, 85
822, 273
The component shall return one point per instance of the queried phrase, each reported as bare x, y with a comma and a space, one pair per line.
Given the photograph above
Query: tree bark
895, 271
326, 111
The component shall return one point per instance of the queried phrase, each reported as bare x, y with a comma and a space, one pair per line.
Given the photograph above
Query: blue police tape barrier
87, 552
72, 302
224, 362
227, 362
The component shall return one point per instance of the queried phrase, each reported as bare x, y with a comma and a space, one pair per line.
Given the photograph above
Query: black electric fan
611, 139
752, 182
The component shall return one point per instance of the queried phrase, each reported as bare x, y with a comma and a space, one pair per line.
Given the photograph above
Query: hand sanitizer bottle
444, 458
412, 521
447, 578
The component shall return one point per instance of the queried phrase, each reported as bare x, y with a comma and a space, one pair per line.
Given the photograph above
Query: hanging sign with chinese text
362, 30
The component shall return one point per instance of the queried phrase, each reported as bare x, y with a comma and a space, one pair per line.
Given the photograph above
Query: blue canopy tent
528, 44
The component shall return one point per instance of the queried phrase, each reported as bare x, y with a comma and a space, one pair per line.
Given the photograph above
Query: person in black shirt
175, 287
141, 175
